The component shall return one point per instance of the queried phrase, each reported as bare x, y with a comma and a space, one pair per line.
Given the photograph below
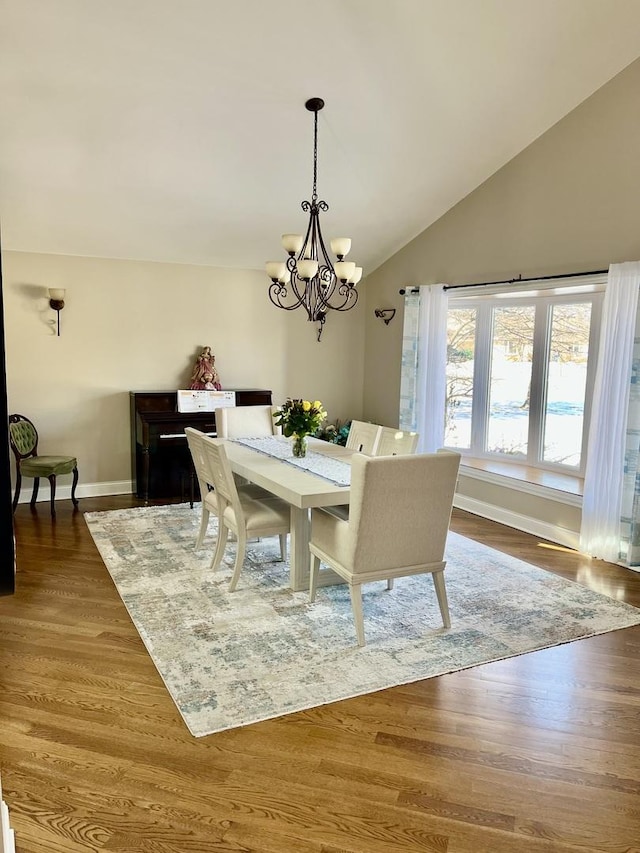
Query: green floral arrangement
335, 433
300, 417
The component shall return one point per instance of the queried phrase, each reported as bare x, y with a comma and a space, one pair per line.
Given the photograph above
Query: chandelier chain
314, 195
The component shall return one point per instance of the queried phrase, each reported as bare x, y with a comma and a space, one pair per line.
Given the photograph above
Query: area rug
230, 659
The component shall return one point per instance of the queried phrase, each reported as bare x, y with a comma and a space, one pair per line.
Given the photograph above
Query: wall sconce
386, 314
56, 301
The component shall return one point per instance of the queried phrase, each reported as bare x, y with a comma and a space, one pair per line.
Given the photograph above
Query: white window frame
543, 296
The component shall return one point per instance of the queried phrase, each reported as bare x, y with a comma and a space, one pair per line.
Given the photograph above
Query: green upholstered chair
23, 438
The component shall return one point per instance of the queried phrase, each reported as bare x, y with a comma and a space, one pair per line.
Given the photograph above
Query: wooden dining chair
397, 526
244, 515
23, 439
363, 437
209, 500
396, 442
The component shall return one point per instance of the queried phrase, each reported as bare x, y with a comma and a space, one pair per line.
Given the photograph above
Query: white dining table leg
299, 556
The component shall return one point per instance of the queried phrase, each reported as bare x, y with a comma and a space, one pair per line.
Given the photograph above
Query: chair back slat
363, 437
221, 473
396, 442
198, 456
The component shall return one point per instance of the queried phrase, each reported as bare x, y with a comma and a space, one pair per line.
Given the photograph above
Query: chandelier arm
278, 293
341, 298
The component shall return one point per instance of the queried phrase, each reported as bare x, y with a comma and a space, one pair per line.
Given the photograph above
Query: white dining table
301, 490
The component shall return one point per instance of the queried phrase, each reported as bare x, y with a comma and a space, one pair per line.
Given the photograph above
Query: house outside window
520, 372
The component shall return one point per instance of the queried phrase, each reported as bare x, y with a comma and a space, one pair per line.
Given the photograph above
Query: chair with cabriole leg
23, 438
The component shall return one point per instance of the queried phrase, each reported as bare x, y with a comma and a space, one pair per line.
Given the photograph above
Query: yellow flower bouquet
299, 418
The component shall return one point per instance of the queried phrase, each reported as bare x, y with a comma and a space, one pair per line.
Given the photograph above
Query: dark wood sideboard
160, 459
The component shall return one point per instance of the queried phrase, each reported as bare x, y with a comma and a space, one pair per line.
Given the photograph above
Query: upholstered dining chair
23, 438
209, 501
396, 442
246, 422
363, 437
397, 526
241, 513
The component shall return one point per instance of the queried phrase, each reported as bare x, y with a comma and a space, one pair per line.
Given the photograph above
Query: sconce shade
56, 301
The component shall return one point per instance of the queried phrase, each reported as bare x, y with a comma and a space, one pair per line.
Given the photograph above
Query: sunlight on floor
551, 547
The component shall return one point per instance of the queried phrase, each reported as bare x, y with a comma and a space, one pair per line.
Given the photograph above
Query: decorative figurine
205, 375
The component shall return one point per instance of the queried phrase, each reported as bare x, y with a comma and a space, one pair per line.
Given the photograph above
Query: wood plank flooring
537, 754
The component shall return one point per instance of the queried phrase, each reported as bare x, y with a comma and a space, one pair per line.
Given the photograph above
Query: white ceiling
175, 130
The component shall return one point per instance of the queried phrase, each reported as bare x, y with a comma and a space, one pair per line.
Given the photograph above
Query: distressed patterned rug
229, 659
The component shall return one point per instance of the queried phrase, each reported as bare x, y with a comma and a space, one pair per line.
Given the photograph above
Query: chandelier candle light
309, 278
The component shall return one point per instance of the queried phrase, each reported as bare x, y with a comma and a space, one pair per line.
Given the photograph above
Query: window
520, 371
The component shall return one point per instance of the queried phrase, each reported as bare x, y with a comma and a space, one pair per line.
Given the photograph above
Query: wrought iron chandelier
309, 278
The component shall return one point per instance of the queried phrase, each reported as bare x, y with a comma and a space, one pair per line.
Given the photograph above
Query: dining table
269, 462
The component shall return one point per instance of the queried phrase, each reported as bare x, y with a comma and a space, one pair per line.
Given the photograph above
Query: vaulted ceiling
175, 130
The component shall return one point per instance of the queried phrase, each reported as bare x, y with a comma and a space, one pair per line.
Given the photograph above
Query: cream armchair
398, 523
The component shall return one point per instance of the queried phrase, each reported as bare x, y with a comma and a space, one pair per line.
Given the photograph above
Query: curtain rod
510, 281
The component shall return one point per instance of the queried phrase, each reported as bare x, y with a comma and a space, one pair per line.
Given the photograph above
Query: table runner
327, 467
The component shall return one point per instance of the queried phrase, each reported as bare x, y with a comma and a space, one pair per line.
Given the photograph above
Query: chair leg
441, 592
313, 577
355, 590
74, 499
389, 583
221, 544
52, 482
240, 552
18, 487
204, 523
34, 494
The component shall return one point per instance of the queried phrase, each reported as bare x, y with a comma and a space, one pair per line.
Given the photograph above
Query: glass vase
299, 446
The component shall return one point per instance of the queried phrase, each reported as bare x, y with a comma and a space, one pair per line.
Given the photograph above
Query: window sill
565, 488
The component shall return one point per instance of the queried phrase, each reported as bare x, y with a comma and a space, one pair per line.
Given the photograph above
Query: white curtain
602, 499
432, 366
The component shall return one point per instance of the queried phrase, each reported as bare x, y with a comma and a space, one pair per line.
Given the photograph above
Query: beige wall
132, 325
569, 202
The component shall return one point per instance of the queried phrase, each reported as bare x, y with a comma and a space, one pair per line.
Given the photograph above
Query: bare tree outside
511, 353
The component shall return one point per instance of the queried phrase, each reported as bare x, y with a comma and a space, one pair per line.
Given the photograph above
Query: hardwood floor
536, 754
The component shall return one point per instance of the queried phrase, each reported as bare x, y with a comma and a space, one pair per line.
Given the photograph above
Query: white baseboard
551, 532
84, 490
